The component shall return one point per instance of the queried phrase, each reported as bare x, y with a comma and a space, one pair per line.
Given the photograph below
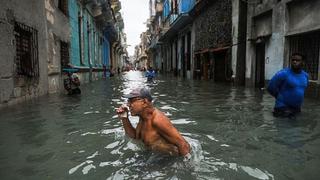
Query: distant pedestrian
288, 87
150, 74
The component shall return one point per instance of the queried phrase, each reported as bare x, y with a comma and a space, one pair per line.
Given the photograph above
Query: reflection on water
231, 130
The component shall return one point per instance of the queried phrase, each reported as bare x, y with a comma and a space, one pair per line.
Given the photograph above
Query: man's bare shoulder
160, 118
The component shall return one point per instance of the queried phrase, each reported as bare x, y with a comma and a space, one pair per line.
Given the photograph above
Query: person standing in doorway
288, 87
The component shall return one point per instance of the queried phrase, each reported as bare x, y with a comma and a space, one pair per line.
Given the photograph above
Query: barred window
64, 54
26, 61
63, 6
308, 45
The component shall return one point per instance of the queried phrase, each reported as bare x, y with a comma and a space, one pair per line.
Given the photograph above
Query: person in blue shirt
150, 74
288, 87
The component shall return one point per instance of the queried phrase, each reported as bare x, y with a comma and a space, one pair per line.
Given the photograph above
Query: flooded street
231, 130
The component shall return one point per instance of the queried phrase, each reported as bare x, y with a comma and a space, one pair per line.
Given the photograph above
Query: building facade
245, 42
80, 36
23, 51
277, 29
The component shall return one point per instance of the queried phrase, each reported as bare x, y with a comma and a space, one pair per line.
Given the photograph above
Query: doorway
220, 67
260, 65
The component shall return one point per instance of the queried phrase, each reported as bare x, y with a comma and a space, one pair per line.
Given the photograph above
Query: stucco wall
266, 20
275, 46
30, 13
235, 28
58, 29
303, 16
7, 52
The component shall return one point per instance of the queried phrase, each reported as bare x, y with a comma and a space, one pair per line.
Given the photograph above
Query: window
309, 45
26, 61
174, 7
64, 54
63, 6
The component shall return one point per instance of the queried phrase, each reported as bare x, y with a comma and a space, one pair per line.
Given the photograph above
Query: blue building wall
91, 41
166, 8
85, 38
74, 40
91, 38
106, 50
186, 5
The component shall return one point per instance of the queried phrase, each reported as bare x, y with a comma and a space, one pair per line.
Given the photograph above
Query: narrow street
231, 130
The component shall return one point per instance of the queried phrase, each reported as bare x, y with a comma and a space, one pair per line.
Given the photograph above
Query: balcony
186, 5
177, 21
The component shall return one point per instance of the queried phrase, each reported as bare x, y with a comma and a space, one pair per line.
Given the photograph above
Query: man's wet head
141, 93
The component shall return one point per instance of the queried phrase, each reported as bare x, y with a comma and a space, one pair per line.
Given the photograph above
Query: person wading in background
288, 87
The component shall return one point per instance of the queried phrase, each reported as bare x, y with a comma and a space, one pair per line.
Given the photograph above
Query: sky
135, 14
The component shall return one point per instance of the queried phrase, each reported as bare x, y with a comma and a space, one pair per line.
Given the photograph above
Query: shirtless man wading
154, 128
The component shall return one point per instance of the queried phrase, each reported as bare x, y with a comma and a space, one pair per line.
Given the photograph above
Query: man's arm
122, 112
275, 83
128, 128
171, 134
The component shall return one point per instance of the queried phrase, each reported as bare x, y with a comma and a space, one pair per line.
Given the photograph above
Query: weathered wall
55, 20
235, 34
193, 41
267, 22
274, 57
303, 16
30, 13
7, 53
239, 38
214, 25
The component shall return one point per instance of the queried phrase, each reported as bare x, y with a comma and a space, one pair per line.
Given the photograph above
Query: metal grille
309, 46
64, 54
26, 61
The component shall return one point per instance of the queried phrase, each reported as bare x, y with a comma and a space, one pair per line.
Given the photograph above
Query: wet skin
154, 129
